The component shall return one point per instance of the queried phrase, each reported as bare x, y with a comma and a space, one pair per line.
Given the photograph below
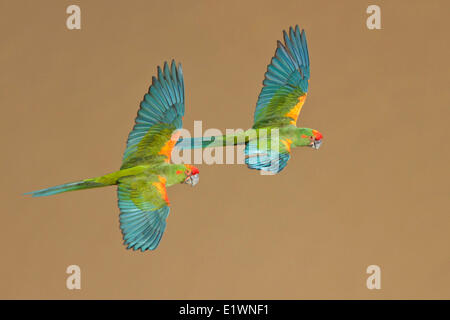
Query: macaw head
192, 175
309, 137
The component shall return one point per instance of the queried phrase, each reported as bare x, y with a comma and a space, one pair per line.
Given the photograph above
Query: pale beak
192, 180
316, 144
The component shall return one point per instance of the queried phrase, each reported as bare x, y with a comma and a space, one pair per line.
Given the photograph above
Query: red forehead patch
317, 135
194, 170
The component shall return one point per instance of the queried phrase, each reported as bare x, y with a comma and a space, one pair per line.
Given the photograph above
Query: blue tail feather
72, 186
194, 143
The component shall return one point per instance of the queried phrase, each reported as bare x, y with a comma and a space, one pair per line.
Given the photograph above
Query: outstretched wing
285, 84
144, 209
263, 155
160, 115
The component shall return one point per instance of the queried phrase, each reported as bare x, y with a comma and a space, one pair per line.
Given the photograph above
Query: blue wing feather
143, 227
267, 160
163, 104
288, 70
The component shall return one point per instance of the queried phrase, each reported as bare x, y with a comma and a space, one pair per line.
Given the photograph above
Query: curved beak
192, 180
317, 139
316, 144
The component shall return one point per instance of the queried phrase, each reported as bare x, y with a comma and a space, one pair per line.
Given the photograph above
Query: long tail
79, 185
102, 181
216, 141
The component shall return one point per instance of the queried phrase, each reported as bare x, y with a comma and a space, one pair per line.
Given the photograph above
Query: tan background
377, 192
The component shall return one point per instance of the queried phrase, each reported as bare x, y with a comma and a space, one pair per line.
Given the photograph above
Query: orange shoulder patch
167, 148
161, 187
295, 111
287, 143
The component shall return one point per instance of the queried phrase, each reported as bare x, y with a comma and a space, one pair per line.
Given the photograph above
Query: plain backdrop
377, 192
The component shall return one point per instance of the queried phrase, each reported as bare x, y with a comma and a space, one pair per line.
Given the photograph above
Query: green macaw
146, 170
274, 132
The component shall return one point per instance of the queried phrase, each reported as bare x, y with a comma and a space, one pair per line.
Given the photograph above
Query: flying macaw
146, 170
279, 104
